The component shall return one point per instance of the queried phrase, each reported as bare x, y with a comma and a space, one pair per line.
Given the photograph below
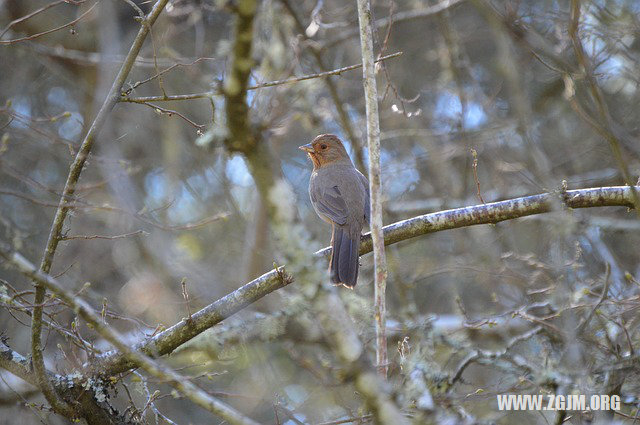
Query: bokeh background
498, 82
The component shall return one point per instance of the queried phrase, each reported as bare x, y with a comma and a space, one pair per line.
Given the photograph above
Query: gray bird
340, 195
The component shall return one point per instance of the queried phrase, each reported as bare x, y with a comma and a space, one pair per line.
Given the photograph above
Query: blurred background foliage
187, 208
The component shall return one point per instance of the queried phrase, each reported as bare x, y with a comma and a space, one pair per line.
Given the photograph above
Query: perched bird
340, 195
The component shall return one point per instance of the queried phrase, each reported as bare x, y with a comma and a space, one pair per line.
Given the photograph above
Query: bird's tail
344, 257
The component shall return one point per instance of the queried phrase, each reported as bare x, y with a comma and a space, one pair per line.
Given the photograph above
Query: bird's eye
323, 146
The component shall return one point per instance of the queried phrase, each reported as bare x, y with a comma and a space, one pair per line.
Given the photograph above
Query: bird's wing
329, 202
367, 207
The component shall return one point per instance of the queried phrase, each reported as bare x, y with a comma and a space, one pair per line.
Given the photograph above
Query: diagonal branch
89, 409
170, 339
84, 310
63, 207
40, 34
16, 363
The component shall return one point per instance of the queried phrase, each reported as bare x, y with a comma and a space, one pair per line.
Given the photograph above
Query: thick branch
16, 363
88, 408
170, 339
167, 341
240, 137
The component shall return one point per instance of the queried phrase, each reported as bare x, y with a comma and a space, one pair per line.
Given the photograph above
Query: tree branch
84, 310
89, 409
165, 342
16, 363
540, 47
40, 34
208, 94
168, 340
240, 137
397, 17
375, 184
63, 207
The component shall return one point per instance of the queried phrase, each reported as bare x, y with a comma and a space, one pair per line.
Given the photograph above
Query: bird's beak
307, 148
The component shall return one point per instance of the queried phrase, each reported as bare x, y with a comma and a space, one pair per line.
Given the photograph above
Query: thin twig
30, 15
605, 292
159, 74
171, 112
208, 94
40, 34
88, 237
185, 295
474, 153
483, 354
63, 208
398, 17
320, 74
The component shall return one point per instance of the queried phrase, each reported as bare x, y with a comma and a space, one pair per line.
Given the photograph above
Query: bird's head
325, 149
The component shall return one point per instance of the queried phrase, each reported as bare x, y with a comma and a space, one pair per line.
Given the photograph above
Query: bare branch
170, 339
40, 34
63, 207
84, 310
492, 355
375, 183
31, 15
88, 237
398, 17
17, 364
208, 94
87, 407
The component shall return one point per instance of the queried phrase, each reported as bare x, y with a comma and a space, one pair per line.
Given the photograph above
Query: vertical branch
373, 139
63, 208
235, 85
242, 138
